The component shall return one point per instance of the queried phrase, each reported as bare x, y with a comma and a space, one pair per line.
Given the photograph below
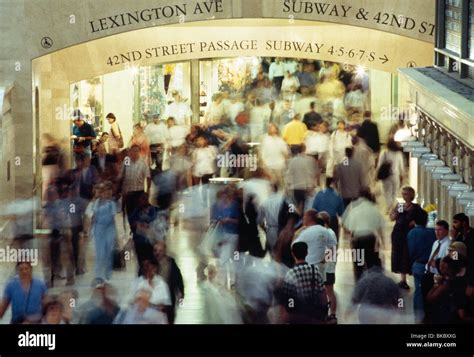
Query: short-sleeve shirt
135, 175
22, 305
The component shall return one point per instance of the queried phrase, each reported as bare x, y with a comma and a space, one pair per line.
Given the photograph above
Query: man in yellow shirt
294, 133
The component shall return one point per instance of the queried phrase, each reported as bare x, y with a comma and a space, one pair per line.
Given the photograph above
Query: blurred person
290, 83
83, 177
391, 184
465, 234
176, 135
366, 158
140, 139
160, 298
216, 109
268, 217
82, 134
234, 108
53, 313
204, 165
220, 304
25, 294
157, 133
300, 177
312, 117
365, 224
355, 99
103, 230
255, 286
52, 162
340, 140
116, 140
302, 295
370, 132
140, 312
141, 221
68, 298
330, 267
101, 308
105, 164
179, 109
282, 249
226, 211
291, 65
328, 200
259, 118
60, 219
420, 239
404, 217
329, 68
274, 153
294, 133
322, 146
377, 298
21, 213
133, 177
283, 113
170, 272
307, 77
348, 177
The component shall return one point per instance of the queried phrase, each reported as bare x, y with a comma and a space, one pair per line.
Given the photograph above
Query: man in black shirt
370, 133
312, 117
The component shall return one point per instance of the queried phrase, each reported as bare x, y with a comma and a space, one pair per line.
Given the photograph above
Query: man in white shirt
179, 110
363, 220
440, 246
316, 237
157, 133
276, 73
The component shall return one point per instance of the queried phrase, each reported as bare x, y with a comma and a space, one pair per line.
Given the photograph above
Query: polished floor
185, 236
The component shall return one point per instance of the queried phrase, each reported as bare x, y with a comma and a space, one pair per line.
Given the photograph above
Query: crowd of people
270, 244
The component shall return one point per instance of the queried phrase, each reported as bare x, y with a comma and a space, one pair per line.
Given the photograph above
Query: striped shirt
135, 175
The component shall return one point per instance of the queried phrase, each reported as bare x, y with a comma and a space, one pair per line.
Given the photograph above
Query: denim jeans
418, 270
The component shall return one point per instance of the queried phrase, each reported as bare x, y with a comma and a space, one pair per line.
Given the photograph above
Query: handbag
119, 140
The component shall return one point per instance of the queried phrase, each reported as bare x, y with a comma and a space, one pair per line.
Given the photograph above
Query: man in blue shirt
25, 295
328, 200
420, 241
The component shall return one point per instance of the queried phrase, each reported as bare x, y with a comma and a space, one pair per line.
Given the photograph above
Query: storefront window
87, 96
156, 85
453, 25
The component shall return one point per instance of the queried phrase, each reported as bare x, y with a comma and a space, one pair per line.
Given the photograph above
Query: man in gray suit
349, 177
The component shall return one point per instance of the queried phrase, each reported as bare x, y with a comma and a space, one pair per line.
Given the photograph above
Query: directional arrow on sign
384, 59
